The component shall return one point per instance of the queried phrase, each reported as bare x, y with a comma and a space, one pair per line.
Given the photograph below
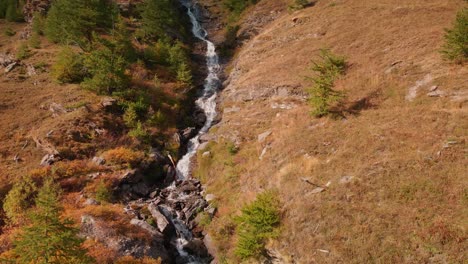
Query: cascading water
206, 102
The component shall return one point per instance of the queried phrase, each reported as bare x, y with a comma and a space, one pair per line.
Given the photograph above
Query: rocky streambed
171, 212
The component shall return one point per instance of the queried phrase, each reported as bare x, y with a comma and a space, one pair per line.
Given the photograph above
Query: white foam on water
206, 102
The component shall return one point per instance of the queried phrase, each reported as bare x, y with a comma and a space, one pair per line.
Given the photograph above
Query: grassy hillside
112, 84
383, 180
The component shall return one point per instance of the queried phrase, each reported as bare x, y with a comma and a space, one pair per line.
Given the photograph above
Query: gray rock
197, 247
317, 190
346, 179
206, 154
98, 160
91, 201
147, 227
108, 102
210, 197
263, 136
49, 159
10, 67
163, 224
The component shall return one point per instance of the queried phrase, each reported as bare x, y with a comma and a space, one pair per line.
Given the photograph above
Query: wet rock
187, 134
196, 247
131, 176
163, 224
140, 189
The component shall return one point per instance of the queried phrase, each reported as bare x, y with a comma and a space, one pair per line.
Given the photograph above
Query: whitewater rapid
207, 101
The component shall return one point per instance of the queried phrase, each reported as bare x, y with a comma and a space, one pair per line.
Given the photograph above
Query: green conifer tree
48, 239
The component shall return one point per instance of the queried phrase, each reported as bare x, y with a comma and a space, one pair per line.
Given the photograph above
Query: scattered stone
211, 211
10, 67
91, 201
6, 59
263, 136
49, 159
264, 151
233, 109
31, 71
436, 93
108, 102
413, 91
317, 190
206, 154
346, 179
98, 161
57, 109
210, 197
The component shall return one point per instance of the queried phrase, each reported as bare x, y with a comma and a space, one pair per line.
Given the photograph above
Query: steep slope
391, 169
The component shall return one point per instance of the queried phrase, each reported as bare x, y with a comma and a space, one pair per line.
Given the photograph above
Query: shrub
35, 41
157, 119
23, 51
69, 66
19, 199
124, 156
103, 194
298, 4
321, 94
257, 223
139, 132
456, 39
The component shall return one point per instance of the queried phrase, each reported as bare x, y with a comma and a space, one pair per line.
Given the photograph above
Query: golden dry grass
406, 200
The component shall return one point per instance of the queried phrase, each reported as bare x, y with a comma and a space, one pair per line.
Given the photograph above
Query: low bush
23, 51
124, 156
257, 223
103, 193
456, 39
35, 41
139, 132
69, 66
298, 4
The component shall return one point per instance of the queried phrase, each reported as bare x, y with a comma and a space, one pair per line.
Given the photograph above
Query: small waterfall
206, 102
